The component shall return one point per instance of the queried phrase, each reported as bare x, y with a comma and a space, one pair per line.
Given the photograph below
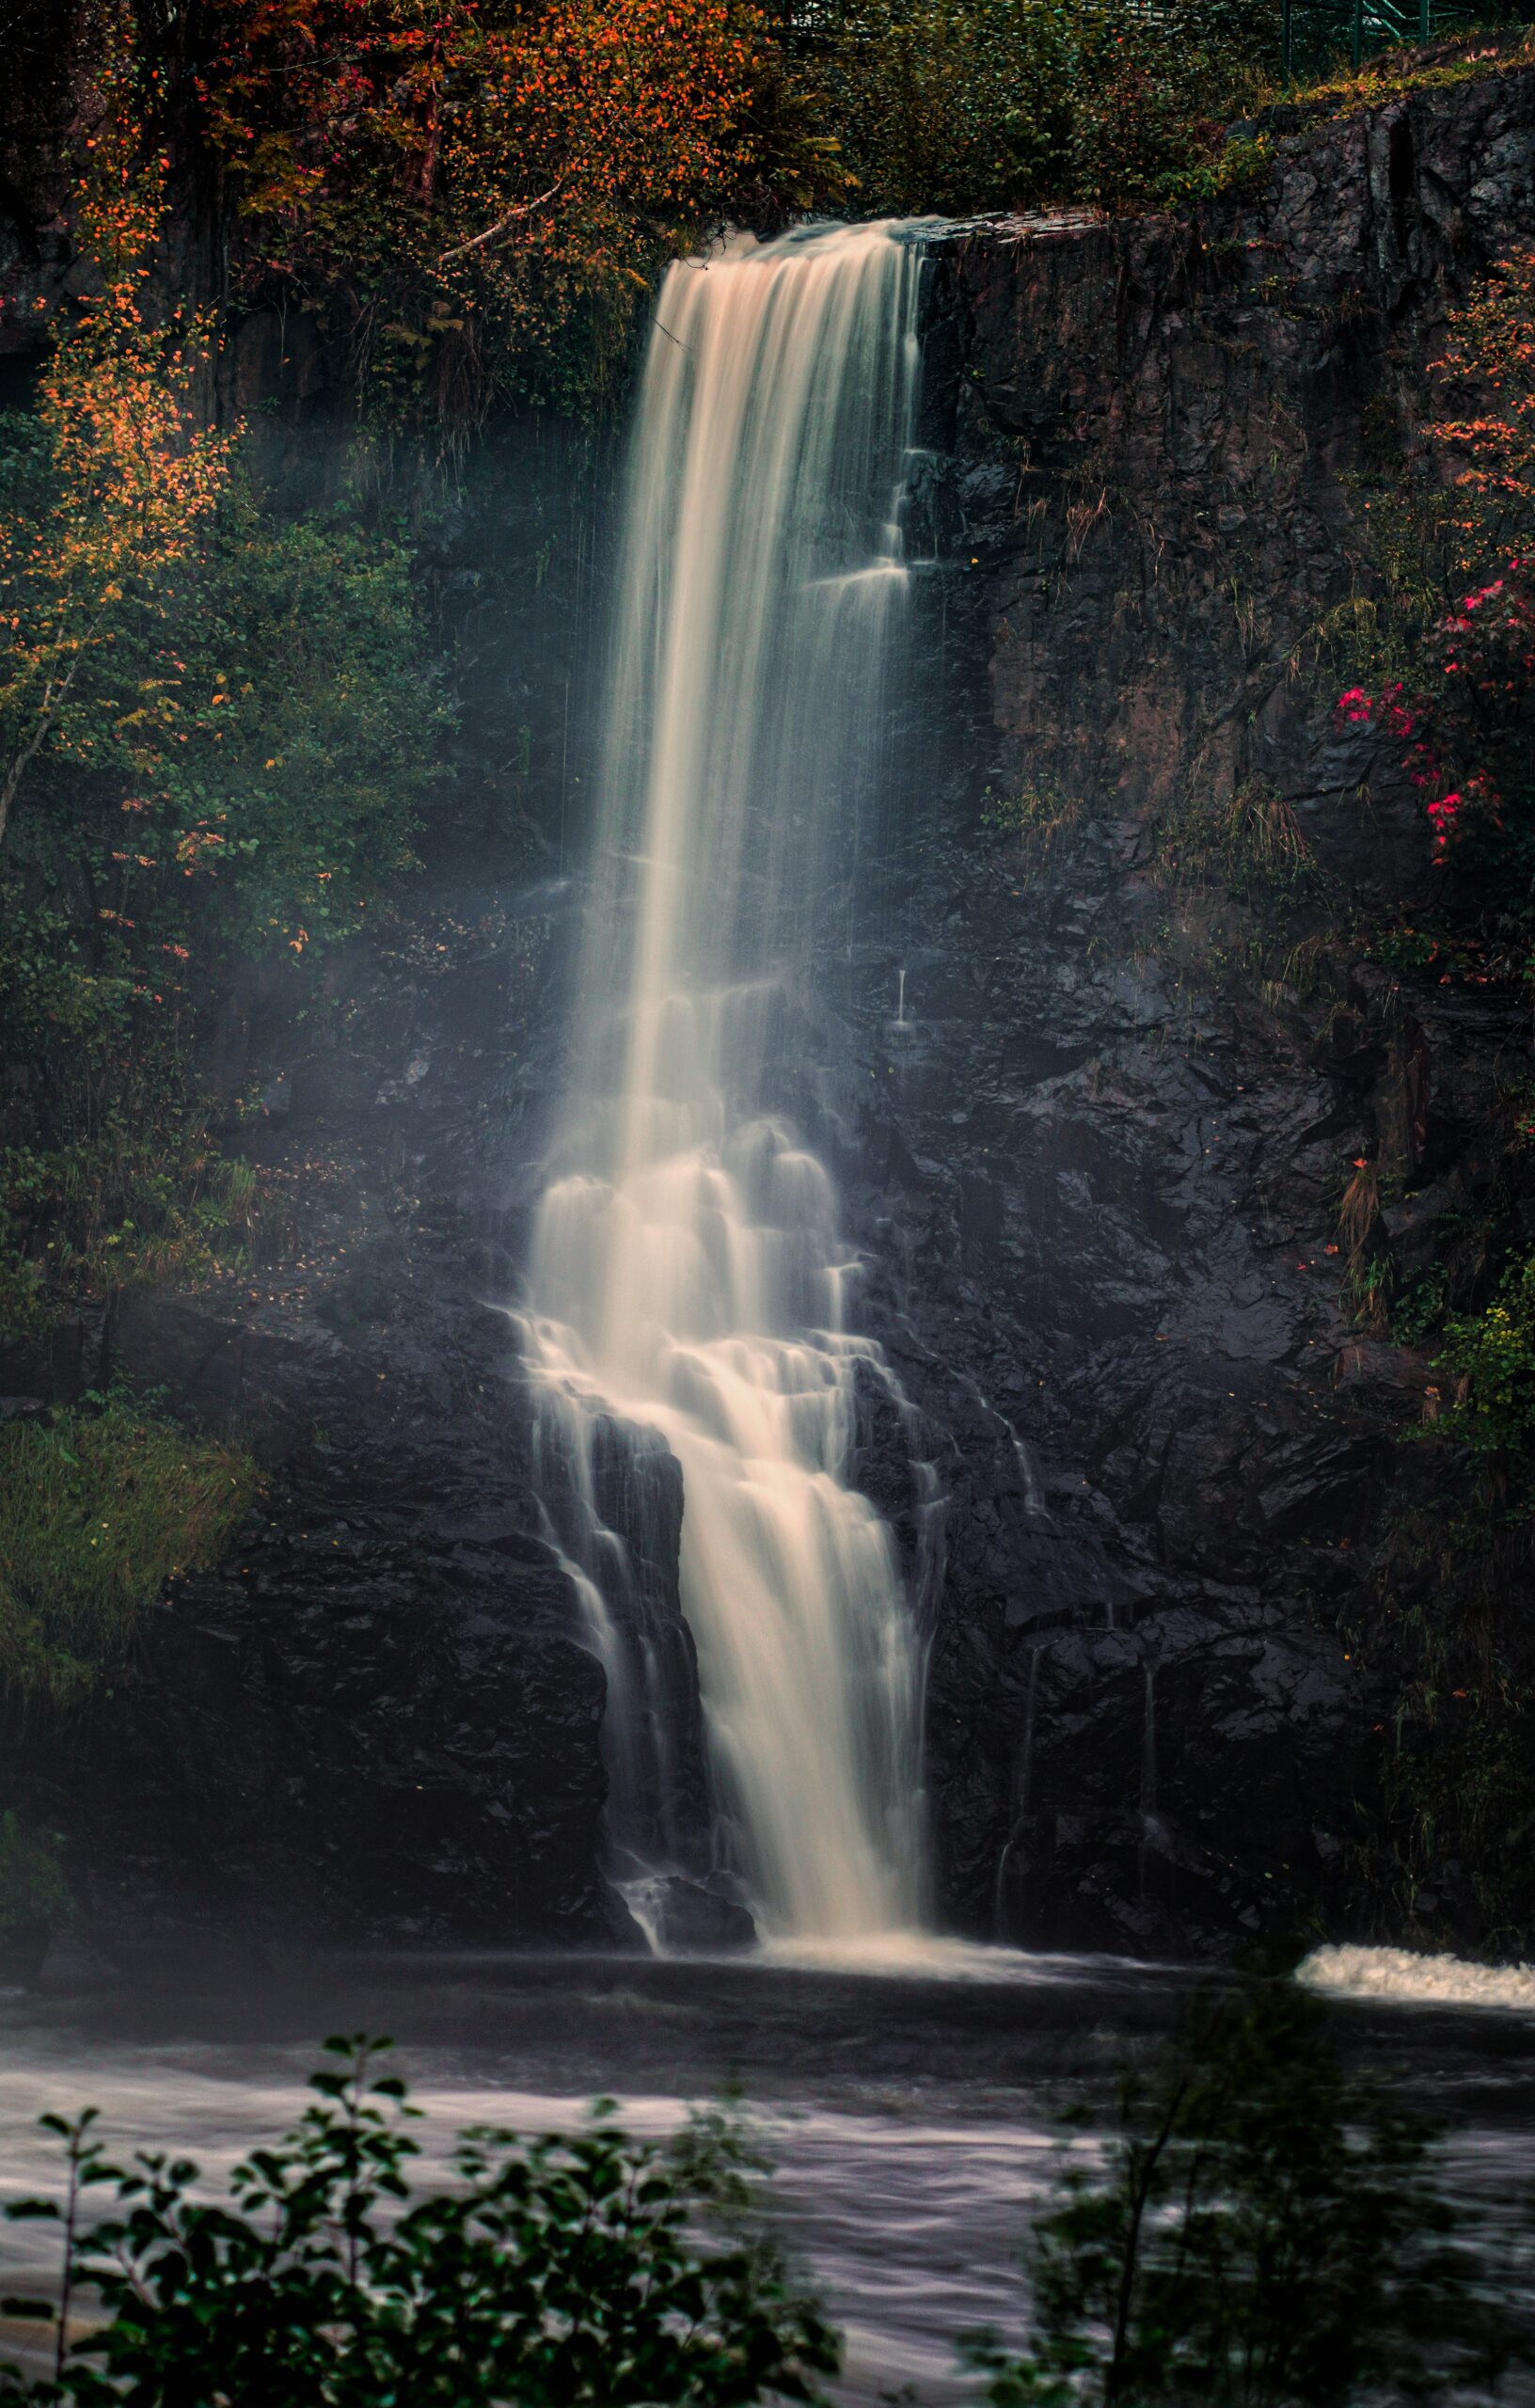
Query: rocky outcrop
1098, 1168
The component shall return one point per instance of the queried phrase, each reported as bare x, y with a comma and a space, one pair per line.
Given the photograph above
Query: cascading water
687, 1274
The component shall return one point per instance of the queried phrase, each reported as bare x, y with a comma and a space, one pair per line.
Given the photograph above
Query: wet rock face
381, 1722
1097, 1165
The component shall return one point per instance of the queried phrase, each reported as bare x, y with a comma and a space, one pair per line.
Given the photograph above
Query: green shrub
239, 766
109, 1173
99, 1507
1492, 1358
1247, 842
948, 110
552, 2272
214, 729
1036, 818
32, 1886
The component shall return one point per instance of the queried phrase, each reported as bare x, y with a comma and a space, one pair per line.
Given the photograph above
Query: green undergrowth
1260, 2223
110, 1175
1035, 819
1447, 1628
1257, 2219
1246, 842
100, 1506
1249, 909
583, 2271
1019, 103
1022, 103
227, 793
32, 1886
1405, 526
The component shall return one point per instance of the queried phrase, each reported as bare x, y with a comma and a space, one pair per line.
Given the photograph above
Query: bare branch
523, 209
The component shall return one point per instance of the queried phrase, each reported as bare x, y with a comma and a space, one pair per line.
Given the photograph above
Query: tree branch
523, 209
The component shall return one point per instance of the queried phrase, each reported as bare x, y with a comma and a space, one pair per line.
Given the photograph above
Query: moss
99, 1507
1397, 73
1034, 817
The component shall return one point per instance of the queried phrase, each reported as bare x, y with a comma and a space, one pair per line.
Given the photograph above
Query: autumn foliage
1467, 717
473, 198
1490, 358
132, 477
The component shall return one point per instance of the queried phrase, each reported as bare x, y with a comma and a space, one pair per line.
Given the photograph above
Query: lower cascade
688, 1276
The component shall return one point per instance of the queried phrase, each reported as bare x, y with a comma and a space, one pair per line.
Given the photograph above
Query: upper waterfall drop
687, 1274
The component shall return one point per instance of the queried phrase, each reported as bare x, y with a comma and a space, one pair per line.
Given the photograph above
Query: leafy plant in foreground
550, 2273
1261, 2227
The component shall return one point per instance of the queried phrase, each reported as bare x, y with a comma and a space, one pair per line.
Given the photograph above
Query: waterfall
687, 1274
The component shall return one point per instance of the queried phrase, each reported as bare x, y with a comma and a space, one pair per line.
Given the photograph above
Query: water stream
687, 1274
916, 2118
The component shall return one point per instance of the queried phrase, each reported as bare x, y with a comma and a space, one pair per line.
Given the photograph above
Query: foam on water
922, 1957
1412, 1980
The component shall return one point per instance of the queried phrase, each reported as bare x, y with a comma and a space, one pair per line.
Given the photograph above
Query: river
914, 2115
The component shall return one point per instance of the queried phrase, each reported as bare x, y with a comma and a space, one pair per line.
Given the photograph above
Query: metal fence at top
1315, 31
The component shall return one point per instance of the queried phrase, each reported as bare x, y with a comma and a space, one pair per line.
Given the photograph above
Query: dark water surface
913, 2114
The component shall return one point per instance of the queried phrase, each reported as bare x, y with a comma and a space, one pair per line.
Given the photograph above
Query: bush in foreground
551, 2272
1263, 2230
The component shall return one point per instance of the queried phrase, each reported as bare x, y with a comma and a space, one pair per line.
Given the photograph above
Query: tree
116, 489
1261, 2229
214, 727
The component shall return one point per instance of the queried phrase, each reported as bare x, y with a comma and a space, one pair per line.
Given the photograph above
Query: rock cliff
1144, 1042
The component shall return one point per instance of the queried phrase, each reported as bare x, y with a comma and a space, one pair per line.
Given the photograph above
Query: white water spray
687, 1274
1404, 1977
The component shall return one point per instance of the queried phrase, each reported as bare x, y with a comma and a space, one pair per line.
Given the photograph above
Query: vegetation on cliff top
471, 197
467, 201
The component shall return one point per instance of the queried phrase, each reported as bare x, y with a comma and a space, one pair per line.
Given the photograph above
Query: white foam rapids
1399, 1974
